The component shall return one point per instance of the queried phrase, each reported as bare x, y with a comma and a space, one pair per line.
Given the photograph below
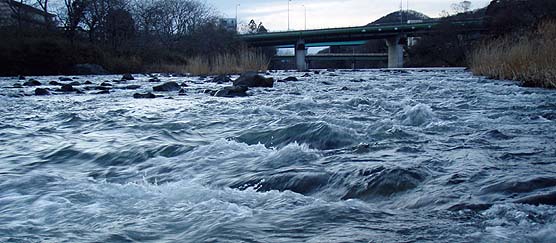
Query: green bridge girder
339, 57
351, 34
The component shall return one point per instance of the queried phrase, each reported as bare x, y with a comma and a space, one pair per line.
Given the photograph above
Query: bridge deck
356, 33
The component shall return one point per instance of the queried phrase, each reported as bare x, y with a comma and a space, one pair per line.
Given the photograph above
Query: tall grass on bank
227, 63
530, 60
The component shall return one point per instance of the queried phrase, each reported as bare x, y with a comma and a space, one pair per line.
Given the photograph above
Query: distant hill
401, 17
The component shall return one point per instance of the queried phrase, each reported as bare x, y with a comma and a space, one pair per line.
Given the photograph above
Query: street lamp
289, 14
237, 5
305, 8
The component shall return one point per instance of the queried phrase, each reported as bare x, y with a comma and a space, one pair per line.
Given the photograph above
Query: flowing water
369, 156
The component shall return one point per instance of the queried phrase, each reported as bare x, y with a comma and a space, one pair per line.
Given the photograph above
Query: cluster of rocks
241, 85
67, 85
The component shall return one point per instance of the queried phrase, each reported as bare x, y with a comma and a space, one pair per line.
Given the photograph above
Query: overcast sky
326, 13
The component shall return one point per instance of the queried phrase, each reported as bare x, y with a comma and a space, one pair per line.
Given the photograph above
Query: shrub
530, 59
227, 63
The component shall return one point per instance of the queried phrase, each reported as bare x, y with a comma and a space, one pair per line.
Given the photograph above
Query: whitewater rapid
344, 156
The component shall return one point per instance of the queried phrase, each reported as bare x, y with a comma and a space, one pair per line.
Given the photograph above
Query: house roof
29, 8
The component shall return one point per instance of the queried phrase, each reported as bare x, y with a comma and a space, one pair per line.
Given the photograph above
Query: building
229, 24
14, 13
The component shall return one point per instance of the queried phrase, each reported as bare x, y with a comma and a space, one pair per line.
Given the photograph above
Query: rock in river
252, 79
128, 76
168, 86
40, 91
67, 88
221, 79
144, 96
232, 91
32, 82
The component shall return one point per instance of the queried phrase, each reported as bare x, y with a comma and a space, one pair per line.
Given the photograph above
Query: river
348, 156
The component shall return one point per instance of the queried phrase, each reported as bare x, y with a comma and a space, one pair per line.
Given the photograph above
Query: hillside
401, 17
378, 46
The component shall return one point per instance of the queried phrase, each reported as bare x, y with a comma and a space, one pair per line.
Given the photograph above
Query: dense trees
121, 35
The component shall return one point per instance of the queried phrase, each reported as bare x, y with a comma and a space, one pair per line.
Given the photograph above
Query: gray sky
326, 13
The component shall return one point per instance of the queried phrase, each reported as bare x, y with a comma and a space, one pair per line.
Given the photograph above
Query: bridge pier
395, 52
300, 54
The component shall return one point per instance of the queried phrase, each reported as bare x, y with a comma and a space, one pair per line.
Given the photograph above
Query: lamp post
305, 8
289, 14
237, 6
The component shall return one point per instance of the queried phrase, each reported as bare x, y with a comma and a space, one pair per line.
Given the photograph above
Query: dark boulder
168, 86
102, 88
252, 79
134, 86
306, 75
102, 92
105, 84
316, 72
88, 69
17, 85
154, 80
331, 70
128, 76
65, 79
326, 83
39, 91
221, 79
181, 92
75, 83
345, 88
32, 82
184, 84
20, 77
88, 82
232, 91
67, 88
144, 96
288, 79
56, 83
210, 92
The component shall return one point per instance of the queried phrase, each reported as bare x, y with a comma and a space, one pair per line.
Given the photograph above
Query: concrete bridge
393, 34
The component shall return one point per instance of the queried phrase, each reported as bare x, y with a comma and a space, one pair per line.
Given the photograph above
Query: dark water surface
416, 156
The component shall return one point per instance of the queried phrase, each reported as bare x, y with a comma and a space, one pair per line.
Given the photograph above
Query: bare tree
44, 6
75, 10
461, 7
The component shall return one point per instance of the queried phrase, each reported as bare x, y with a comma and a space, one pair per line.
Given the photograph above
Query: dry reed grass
228, 63
530, 60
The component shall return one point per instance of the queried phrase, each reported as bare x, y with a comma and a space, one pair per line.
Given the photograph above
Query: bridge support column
395, 52
300, 54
